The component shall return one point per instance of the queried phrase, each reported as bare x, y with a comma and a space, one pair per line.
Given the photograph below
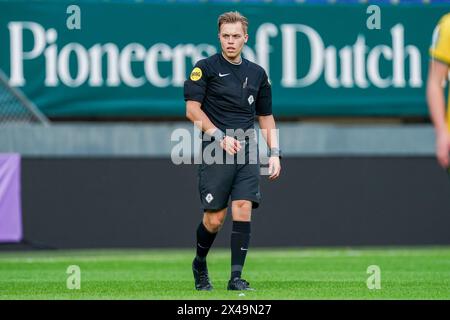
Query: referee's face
232, 39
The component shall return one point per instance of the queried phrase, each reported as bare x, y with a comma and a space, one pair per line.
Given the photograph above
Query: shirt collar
232, 63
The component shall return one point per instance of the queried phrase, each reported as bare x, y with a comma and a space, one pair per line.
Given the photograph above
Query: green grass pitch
332, 273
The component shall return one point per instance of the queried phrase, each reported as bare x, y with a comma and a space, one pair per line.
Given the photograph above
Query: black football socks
205, 240
240, 239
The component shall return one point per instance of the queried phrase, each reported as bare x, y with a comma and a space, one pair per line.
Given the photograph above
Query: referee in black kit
223, 94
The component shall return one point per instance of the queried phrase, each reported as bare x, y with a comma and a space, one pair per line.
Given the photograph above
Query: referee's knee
213, 220
243, 204
242, 210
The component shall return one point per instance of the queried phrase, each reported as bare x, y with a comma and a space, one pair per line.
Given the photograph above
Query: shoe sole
249, 289
200, 289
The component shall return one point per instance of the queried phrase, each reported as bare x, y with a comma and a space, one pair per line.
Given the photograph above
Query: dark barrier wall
74, 203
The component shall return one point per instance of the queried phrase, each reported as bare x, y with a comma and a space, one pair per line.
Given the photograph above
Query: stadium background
95, 138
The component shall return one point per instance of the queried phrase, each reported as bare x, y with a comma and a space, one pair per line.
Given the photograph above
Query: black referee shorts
218, 182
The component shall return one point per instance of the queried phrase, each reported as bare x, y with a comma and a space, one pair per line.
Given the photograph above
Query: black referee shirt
230, 94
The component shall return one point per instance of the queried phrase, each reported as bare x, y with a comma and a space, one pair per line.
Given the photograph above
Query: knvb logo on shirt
353, 65
209, 198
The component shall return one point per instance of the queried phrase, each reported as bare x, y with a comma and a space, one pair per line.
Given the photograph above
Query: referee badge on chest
250, 99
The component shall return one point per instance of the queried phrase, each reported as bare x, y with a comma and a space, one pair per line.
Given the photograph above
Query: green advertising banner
131, 59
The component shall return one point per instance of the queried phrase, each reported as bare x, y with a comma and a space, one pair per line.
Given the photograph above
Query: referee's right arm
194, 93
198, 117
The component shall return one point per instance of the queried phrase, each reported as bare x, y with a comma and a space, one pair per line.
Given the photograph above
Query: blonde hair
233, 17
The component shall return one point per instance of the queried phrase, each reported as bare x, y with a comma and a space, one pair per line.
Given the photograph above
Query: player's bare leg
240, 240
206, 233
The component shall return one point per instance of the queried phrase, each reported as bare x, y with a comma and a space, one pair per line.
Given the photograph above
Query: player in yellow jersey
437, 76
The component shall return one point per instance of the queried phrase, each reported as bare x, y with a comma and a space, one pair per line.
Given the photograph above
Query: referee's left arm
269, 130
267, 124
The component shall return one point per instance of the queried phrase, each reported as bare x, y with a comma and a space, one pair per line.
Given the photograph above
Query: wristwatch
275, 152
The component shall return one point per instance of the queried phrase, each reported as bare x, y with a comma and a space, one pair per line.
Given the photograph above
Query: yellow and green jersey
440, 47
